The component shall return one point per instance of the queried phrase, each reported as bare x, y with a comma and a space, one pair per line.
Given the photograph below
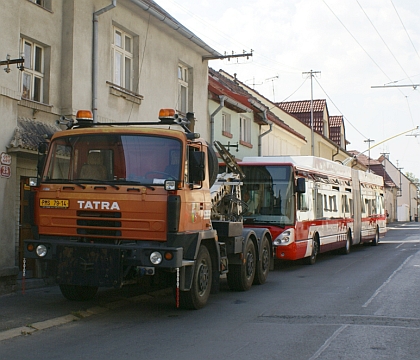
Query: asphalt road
364, 305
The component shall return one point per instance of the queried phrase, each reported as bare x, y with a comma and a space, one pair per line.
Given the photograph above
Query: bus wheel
197, 297
263, 265
346, 250
241, 277
375, 241
78, 292
310, 260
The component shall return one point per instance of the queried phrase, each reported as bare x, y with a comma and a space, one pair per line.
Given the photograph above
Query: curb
79, 315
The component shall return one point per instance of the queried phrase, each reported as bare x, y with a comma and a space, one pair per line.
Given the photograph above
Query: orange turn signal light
168, 256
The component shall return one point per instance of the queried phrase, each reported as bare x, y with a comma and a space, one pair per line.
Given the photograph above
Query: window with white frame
43, 3
123, 59
226, 126
33, 73
183, 79
245, 129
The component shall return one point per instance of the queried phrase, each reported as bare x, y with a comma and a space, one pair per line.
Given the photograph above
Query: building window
226, 125
33, 74
123, 59
245, 130
43, 3
183, 95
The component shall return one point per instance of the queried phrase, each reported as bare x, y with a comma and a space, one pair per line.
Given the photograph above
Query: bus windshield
268, 194
113, 159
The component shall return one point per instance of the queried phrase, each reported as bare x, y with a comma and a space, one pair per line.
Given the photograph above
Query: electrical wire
411, 41
329, 98
364, 12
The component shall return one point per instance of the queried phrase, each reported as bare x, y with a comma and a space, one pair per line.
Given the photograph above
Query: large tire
346, 249
78, 292
241, 277
263, 264
213, 164
375, 241
197, 297
311, 260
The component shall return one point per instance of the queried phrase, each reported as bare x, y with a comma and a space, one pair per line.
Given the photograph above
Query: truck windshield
268, 192
114, 159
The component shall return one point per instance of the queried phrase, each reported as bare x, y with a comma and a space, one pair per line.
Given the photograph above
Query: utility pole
311, 74
369, 141
399, 169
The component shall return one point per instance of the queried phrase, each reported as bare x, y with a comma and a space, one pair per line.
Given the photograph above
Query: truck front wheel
78, 292
197, 297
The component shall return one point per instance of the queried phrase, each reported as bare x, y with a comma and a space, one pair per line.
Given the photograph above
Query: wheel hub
203, 278
249, 264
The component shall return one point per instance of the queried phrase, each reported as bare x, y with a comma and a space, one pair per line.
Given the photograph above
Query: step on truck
115, 203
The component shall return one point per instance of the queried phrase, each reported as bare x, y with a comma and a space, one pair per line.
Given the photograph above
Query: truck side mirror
300, 186
197, 169
42, 150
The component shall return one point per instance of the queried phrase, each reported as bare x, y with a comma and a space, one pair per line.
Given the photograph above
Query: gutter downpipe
221, 106
95, 58
268, 122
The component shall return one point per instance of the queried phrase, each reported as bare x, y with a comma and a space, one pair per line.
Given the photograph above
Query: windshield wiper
133, 182
96, 181
65, 181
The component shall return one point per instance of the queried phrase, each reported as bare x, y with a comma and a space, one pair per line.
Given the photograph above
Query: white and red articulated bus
312, 205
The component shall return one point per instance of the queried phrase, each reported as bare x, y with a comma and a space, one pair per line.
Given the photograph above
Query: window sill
45, 7
246, 144
35, 105
124, 93
227, 134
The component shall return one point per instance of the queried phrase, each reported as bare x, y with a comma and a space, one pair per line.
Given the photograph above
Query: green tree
413, 179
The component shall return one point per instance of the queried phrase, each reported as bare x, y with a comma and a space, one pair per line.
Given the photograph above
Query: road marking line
328, 342
366, 304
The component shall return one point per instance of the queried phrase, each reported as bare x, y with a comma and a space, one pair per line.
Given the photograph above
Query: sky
356, 47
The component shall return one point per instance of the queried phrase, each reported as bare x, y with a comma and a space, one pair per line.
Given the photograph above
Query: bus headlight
285, 238
41, 250
155, 257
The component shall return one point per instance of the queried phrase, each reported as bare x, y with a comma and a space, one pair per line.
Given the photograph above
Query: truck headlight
41, 250
155, 257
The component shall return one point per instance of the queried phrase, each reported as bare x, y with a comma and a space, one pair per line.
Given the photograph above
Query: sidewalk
39, 308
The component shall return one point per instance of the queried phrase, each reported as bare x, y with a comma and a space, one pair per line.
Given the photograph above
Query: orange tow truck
116, 202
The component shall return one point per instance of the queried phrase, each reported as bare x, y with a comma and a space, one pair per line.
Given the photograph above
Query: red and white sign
5, 171
6, 159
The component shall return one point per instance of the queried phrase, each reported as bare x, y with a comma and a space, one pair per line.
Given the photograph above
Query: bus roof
314, 164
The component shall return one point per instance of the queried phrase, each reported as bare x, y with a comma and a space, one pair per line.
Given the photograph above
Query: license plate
53, 203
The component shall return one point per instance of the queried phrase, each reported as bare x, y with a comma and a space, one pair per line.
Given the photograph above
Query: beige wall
66, 33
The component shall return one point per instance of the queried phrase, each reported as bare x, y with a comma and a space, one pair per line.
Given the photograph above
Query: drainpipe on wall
221, 106
95, 58
268, 122
334, 155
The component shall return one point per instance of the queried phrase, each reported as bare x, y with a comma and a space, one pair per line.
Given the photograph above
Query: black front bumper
96, 264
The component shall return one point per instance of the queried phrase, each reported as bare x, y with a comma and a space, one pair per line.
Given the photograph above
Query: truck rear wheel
263, 265
197, 297
241, 277
78, 292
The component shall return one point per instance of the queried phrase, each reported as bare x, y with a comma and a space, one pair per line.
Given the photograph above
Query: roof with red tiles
220, 84
336, 122
302, 111
303, 106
